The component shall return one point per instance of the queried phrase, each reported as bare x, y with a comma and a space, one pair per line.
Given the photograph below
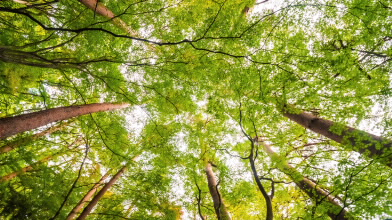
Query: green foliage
202, 77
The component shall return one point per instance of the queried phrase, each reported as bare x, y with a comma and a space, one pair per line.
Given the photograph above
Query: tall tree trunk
102, 192
102, 10
86, 198
14, 125
268, 199
24, 169
361, 141
219, 206
22, 141
334, 209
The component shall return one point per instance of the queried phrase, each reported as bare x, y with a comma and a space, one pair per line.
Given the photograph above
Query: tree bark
334, 210
102, 10
14, 125
219, 206
268, 200
86, 198
20, 142
361, 141
102, 192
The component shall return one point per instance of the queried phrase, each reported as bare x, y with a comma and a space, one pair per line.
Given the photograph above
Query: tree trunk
10, 55
24, 170
102, 10
86, 198
219, 206
102, 192
20, 142
334, 209
268, 200
361, 141
14, 125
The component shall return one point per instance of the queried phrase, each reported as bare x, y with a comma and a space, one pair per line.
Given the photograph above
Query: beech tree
361, 141
20, 142
86, 211
310, 188
86, 198
219, 205
20, 123
201, 79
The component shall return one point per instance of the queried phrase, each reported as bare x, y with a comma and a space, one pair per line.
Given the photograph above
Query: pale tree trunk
86, 198
23, 141
94, 201
334, 210
24, 170
361, 141
219, 206
102, 10
14, 125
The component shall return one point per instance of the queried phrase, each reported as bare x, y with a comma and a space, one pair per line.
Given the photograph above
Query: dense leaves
204, 78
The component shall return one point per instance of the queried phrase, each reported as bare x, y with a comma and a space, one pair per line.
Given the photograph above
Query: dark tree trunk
360, 141
14, 125
268, 200
94, 201
219, 206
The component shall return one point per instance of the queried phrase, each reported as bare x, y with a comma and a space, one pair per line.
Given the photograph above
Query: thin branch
73, 185
199, 201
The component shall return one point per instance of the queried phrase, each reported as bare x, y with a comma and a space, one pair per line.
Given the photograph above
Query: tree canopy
234, 109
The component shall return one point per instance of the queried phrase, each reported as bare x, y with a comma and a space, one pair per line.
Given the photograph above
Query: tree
20, 142
188, 68
86, 198
219, 205
86, 211
14, 125
99, 8
319, 195
268, 198
361, 141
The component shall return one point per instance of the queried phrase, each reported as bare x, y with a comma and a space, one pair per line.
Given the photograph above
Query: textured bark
102, 10
14, 125
86, 198
23, 141
94, 201
361, 141
219, 206
24, 170
335, 210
